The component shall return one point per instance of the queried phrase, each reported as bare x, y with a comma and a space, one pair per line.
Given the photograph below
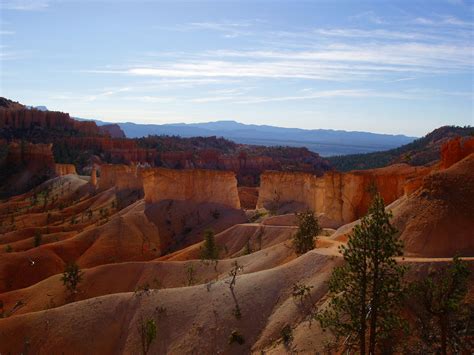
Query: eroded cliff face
199, 186
456, 150
122, 177
24, 118
341, 197
113, 130
26, 165
437, 220
64, 169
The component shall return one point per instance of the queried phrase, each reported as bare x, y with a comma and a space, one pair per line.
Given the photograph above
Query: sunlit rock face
342, 197
122, 177
455, 150
195, 185
64, 169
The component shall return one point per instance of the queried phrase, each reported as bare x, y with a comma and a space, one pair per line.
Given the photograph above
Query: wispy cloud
443, 20
369, 16
331, 62
24, 5
228, 29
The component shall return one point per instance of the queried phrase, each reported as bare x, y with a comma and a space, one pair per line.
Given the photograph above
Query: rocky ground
142, 260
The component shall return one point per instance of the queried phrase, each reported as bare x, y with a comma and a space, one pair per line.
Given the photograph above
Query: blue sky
380, 66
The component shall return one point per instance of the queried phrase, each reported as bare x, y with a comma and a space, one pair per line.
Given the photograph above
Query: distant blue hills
326, 142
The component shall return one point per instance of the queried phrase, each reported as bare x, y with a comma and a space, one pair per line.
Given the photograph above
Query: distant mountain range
326, 142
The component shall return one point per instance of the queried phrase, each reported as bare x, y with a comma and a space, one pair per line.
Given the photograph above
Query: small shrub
301, 291
257, 216
191, 280
287, 334
236, 311
37, 238
72, 276
215, 213
248, 248
147, 331
236, 337
142, 289
8, 248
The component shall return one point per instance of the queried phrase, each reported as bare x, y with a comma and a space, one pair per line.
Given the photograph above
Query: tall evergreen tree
210, 250
444, 319
308, 229
366, 291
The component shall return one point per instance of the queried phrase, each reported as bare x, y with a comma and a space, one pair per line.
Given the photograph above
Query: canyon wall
24, 118
30, 154
199, 186
64, 169
341, 197
25, 166
122, 177
456, 150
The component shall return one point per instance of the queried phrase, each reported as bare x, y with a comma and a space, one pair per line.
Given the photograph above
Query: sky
400, 67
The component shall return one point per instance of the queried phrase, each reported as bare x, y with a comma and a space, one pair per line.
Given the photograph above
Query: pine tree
443, 317
308, 229
210, 251
366, 291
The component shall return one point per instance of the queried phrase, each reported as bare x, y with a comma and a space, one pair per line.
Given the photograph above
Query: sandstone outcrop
122, 177
199, 186
25, 166
64, 169
30, 154
113, 130
93, 180
341, 197
24, 118
456, 150
437, 220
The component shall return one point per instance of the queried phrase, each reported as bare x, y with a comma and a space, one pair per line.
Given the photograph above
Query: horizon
387, 68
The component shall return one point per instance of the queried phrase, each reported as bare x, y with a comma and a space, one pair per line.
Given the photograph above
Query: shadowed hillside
420, 152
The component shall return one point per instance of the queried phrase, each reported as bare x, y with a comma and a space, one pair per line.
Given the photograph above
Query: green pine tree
308, 228
366, 291
210, 250
444, 320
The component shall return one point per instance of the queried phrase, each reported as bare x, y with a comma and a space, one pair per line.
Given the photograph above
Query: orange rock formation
455, 150
437, 220
28, 118
93, 180
122, 177
64, 169
342, 197
199, 186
